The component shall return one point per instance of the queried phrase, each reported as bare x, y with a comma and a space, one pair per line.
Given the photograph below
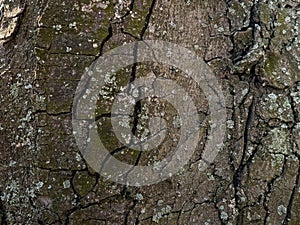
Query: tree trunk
253, 49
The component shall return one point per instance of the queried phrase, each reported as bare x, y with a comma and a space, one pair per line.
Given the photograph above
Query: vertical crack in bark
292, 197
237, 177
148, 17
126, 222
297, 182
138, 106
253, 21
105, 40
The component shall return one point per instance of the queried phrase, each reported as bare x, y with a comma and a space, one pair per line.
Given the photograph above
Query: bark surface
254, 50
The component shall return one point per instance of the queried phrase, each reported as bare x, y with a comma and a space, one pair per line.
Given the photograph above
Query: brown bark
253, 49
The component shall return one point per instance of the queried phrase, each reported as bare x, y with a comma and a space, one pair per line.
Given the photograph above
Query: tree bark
251, 46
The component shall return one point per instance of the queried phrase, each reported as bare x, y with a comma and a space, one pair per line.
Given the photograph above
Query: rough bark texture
253, 48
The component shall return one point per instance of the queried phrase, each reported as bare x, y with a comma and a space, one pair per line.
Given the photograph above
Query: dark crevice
52, 114
294, 110
103, 115
237, 177
129, 34
115, 151
128, 212
292, 197
138, 105
148, 17
105, 40
62, 170
239, 56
